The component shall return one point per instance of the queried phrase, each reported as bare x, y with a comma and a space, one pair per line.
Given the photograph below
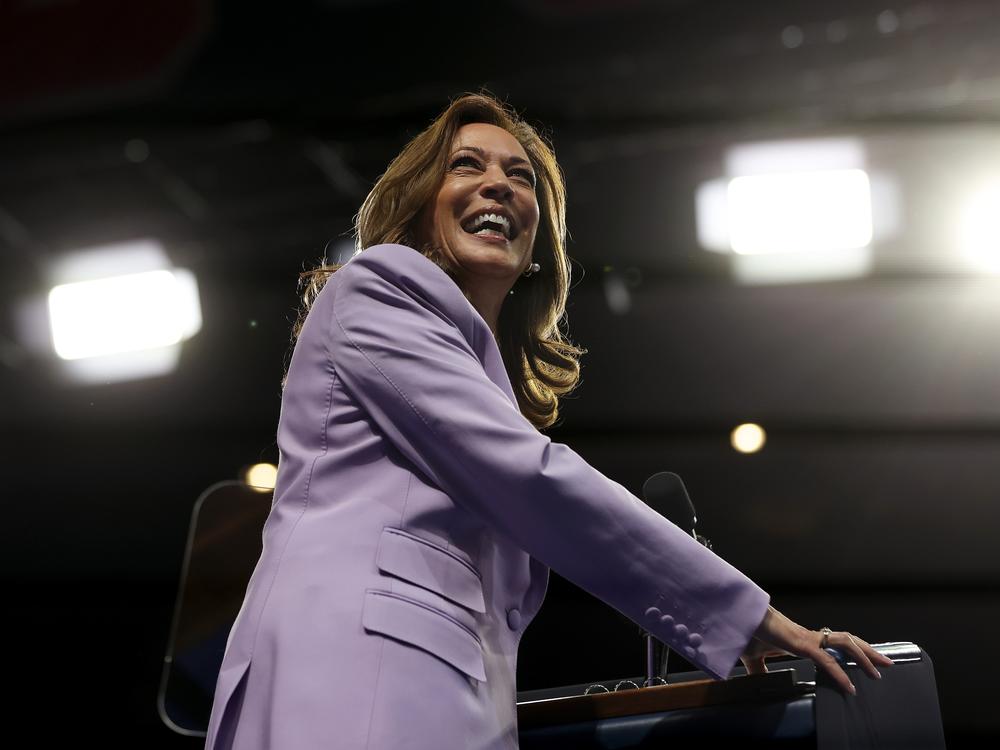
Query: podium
792, 706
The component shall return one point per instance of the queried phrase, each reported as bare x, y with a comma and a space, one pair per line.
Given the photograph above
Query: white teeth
495, 218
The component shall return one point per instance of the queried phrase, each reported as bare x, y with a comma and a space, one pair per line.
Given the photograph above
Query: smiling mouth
488, 233
490, 225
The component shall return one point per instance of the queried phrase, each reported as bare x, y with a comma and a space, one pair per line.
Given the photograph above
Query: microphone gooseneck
665, 493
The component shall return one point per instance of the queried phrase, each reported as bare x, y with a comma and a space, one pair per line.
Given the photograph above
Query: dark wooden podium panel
772, 686
790, 707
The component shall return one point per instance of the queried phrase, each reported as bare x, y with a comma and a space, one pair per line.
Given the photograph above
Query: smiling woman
418, 507
484, 217
479, 156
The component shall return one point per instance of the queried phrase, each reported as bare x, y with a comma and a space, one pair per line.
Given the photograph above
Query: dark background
245, 136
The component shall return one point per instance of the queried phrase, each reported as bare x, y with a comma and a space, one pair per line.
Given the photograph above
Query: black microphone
665, 493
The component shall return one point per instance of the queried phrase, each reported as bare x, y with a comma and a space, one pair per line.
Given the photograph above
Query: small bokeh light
748, 438
261, 477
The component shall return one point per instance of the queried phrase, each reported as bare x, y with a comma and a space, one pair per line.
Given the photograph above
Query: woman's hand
777, 635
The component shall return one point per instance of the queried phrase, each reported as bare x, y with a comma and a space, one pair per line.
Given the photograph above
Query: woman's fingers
874, 655
832, 667
860, 657
777, 633
755, 664
860, 652
754, 655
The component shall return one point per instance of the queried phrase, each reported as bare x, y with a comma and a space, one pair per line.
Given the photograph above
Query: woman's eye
464, 160
529, 176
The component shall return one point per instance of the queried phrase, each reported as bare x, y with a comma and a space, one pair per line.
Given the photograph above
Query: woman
418, 507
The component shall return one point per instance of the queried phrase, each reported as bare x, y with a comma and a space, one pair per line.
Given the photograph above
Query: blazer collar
447, 296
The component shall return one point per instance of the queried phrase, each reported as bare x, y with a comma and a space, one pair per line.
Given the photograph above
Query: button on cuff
513, 618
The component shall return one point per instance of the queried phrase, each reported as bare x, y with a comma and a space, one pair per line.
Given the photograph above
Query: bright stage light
793, 211
799, 268
711, 207
122, 313
748, 438
979, 229
800, 212
113, 313
795, 155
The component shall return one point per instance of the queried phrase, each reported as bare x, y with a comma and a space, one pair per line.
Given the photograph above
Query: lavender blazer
416, 516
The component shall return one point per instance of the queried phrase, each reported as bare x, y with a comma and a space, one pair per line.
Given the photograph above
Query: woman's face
488, 172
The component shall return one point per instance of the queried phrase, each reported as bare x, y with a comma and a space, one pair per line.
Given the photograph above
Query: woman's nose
496, 183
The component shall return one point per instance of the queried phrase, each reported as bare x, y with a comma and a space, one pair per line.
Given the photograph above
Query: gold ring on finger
826, 633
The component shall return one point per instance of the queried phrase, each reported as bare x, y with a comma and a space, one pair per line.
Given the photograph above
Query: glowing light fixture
792, 211
123, 313
748, 438
979, 229
261, 477
114, 313
800, 212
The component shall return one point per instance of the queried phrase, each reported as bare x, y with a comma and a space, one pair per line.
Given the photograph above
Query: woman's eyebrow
482, 153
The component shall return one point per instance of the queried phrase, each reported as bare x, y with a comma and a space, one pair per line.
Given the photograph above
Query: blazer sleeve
411, 368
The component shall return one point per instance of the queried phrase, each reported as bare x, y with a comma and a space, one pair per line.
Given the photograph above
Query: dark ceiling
255, 136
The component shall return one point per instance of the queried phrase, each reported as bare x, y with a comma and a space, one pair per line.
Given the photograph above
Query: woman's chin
481, 270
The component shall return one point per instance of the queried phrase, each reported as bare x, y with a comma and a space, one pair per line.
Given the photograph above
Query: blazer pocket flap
426, 628
430, 566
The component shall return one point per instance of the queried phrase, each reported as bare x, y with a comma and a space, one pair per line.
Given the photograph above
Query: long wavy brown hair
541, 362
